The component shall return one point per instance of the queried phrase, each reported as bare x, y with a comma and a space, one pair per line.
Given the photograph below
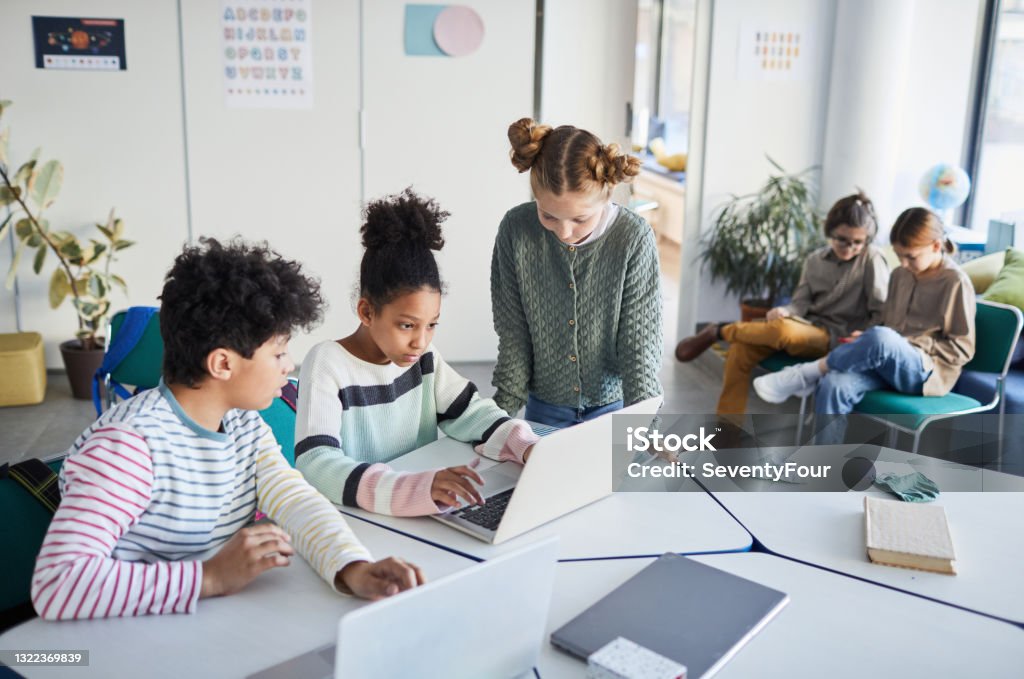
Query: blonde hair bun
610, 166
527, 139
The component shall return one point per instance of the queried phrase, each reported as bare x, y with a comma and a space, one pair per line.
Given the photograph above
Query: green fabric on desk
913, 487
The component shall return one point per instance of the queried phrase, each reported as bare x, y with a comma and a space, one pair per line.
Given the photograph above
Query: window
664, 71
999, 137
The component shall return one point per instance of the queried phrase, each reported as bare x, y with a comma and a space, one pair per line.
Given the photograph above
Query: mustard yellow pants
752, 342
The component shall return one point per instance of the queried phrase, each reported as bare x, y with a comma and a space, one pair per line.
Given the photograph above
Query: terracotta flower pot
753, 309
80, 365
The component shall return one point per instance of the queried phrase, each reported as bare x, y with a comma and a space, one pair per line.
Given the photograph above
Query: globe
945, 187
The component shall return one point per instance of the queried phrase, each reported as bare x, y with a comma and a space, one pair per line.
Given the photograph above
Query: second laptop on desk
568, 469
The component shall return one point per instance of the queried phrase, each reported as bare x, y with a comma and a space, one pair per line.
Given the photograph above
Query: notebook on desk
684, 610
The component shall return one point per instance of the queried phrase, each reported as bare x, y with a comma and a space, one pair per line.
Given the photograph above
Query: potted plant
83, 271
759, 241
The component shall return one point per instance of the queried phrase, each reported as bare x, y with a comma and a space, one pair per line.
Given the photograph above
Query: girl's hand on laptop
777, 312
527, 453
248, 553
454, 483
379, 579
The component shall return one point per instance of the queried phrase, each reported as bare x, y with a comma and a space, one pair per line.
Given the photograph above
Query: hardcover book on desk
908, 535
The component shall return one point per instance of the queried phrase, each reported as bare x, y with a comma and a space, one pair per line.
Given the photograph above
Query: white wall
290, 177
439, 124
747, 119
936, 102
589, 52
119, 136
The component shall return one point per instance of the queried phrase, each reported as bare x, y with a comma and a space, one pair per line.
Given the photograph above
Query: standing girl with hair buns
575, 284
926, 336
384, 390
841, 291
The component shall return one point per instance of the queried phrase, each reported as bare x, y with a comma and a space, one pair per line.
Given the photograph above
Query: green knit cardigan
578, 325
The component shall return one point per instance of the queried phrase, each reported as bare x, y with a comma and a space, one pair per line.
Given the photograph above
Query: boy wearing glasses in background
841, 293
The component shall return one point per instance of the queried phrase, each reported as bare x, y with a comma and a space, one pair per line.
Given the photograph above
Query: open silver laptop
568, 468
441, 629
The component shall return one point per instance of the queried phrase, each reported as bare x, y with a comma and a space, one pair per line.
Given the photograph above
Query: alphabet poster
268, 53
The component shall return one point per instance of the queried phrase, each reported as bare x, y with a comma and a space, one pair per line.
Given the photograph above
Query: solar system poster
79, 44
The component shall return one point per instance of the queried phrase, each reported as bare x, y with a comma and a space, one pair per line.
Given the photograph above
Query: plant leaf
4, 138
46, 183
115, 225
120, 282
4, 105
122, 244
37, 263
23, 228
7, 196
70, 248
98, 287
24, 173
59, 287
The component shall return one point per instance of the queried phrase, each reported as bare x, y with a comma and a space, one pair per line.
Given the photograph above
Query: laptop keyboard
487, 515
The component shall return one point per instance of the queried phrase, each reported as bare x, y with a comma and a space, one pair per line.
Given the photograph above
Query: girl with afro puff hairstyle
384, 390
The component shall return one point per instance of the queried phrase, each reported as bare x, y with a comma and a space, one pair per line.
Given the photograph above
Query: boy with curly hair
159, 492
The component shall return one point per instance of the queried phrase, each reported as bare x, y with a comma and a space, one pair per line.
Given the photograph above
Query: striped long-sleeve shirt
146, 491
354, 416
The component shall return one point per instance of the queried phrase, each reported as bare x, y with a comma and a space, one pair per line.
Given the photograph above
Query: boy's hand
456, 482
379, 579
777, 312
248, 553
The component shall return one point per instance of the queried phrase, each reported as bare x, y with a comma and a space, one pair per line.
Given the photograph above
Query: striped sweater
147, 492
353, 416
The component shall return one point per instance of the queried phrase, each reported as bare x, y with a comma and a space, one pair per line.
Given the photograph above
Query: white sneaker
779, 386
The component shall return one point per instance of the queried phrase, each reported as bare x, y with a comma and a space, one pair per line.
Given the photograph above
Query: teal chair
775, 363
280, 417
997, 328
142, 365
21, 534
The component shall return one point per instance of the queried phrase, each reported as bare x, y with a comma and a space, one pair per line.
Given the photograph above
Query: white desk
827, 529
283, 613
624, 524
833, 626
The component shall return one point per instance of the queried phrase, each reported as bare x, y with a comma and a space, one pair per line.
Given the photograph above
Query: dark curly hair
399, 233
234, 296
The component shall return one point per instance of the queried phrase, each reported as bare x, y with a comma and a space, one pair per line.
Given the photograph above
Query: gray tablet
696, 615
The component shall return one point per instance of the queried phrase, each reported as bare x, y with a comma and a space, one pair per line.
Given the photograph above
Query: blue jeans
881, 358
564, 416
